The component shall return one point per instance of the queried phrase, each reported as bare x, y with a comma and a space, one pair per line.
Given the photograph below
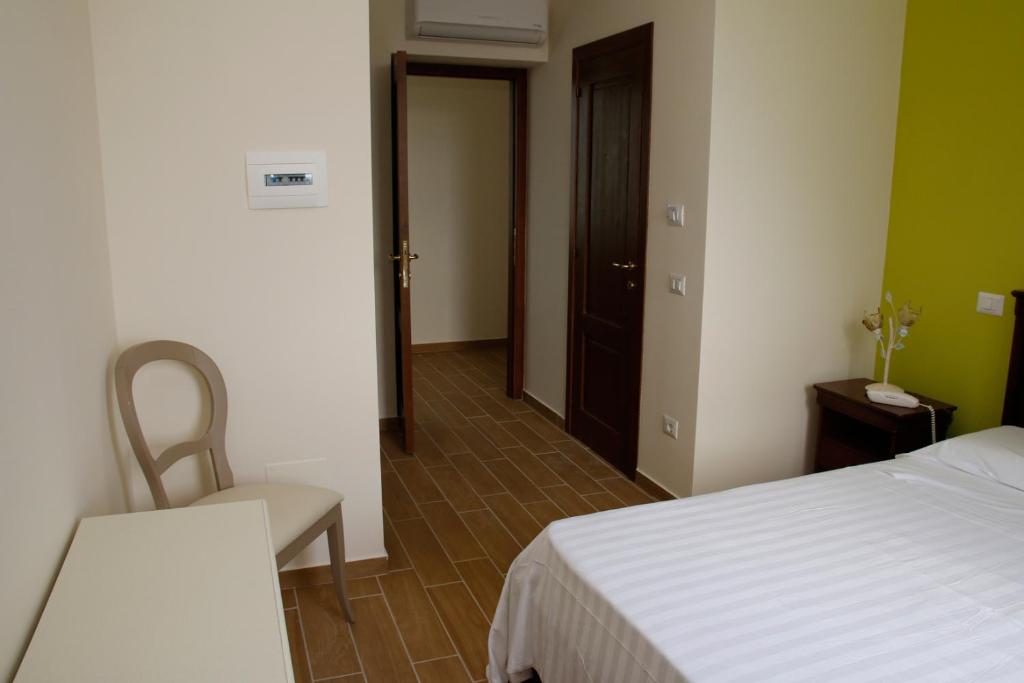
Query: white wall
389, 30
56, 459
459, 160
281, 299
800, 122
680, 119
802, 135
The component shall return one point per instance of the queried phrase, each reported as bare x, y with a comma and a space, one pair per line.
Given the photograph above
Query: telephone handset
893, 398
901, 399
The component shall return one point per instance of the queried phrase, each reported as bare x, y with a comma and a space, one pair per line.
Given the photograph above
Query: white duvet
907, 570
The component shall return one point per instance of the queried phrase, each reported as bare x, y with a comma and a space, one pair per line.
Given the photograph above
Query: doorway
463, 200
608, 239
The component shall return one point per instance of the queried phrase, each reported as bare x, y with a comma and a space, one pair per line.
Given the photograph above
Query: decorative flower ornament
874, 322
907, 315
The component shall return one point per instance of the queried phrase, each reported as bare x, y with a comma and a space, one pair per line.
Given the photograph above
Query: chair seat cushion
293, 508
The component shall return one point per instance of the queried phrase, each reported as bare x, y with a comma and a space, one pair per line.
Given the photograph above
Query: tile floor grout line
305, 641
555, 503
437, 538
437, 613
503, 526
419, 579
433, 659
434, 441
545, 493
478, 605
542, 464
405, 646
355, 647
444, 626
508, 448
447, 583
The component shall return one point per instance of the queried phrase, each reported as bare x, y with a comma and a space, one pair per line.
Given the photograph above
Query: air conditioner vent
522, 22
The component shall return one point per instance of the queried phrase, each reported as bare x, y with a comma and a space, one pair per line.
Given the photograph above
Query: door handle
404, 258
628, 265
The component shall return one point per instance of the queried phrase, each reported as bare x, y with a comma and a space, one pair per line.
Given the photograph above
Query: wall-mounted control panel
286, 180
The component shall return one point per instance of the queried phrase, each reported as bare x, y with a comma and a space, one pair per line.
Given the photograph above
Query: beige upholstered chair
298, 513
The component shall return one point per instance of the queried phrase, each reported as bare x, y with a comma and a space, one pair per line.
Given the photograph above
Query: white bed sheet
906, 570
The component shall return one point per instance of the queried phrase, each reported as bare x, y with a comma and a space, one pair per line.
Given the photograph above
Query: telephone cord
931, 410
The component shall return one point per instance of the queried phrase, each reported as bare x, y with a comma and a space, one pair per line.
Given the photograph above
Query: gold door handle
404, 258
628, 265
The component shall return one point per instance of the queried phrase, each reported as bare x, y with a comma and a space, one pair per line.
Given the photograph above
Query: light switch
677, 284
676, 214
990, 304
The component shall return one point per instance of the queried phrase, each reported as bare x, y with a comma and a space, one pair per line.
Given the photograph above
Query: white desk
175, 595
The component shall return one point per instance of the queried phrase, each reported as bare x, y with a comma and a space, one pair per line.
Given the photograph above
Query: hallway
489, 474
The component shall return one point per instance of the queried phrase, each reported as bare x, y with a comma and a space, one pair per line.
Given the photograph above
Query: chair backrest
128, 364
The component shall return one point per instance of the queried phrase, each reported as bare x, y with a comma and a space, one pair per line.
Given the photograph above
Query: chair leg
336, 544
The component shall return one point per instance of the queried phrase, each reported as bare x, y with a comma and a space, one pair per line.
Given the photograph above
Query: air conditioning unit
506, 21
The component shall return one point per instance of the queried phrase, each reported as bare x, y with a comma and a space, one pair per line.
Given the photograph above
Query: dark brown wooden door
611, 80
401, 254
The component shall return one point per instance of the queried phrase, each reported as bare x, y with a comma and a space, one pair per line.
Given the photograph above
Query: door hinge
579, 91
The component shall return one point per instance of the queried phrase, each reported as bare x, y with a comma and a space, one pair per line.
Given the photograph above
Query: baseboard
321, 574
442, 347
390, 424
652, 487
546, 412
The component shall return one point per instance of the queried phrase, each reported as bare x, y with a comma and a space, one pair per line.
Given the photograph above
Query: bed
908, 569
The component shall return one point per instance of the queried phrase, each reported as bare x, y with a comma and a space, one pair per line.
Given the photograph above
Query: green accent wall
957, 220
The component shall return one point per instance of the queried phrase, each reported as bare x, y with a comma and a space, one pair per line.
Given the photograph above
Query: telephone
893, 398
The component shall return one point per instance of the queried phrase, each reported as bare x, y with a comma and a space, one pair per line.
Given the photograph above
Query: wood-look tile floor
488, 475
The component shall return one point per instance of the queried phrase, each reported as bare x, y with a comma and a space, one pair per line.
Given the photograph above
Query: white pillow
996, 454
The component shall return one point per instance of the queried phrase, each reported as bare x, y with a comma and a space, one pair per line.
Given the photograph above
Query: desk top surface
189, 594
853, 390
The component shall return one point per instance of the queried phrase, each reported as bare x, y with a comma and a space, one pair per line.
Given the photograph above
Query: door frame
642, 36
400, 252
517, 79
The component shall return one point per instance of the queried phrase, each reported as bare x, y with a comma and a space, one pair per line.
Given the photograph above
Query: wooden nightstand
853, 431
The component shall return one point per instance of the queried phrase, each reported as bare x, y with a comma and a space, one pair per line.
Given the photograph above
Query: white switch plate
677, 284
990, 304
676, 214
670, 426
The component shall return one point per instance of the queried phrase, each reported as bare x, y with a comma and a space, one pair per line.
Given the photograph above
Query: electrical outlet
670, 426
677, 284
676, 214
